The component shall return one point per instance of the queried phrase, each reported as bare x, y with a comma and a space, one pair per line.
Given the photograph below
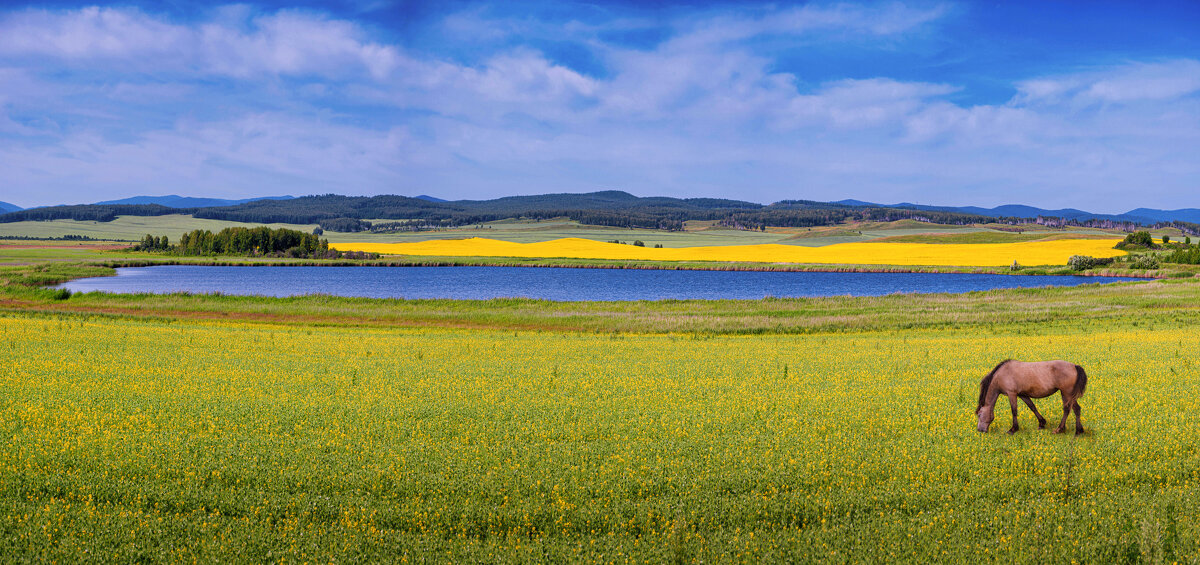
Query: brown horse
1017, 379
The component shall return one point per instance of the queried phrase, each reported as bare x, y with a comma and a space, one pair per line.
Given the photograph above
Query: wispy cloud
1132, 82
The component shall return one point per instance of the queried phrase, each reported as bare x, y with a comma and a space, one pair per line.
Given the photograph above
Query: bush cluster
1144, 262
1084, 262
1137, 240
1189, 255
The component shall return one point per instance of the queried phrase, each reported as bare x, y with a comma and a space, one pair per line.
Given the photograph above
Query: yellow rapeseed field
167, 440
1054, 252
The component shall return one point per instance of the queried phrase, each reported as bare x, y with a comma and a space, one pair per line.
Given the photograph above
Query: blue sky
1093, 105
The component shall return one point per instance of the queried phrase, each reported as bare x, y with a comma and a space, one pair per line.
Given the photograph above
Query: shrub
1084, 262
1137, 240
1144, 262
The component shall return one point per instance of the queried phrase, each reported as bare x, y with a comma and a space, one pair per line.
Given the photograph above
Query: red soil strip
268, 318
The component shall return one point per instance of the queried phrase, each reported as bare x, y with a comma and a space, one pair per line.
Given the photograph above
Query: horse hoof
1012, 431
1058, 431
1042, 426
1078, 432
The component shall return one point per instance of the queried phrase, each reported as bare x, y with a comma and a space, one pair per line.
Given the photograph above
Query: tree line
91, 212
260, 241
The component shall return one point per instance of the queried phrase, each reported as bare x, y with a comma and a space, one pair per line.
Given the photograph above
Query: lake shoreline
555, 284
641, 265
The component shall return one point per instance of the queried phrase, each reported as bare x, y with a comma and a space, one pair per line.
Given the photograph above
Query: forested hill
608, 208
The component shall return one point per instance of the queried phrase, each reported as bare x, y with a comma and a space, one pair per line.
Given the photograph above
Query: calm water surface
547, 283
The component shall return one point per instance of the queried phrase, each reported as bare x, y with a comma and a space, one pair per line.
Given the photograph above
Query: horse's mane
987, 381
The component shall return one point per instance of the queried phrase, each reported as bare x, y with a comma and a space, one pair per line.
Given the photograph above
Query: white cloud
1129, 83
522, 77
293, 43
88, 34
286, 42
861, 103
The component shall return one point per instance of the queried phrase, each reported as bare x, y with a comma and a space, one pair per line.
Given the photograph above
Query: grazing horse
1018, 379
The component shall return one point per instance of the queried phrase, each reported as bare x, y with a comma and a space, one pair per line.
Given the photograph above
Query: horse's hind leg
1041, 420
1012, 400
1078, 424
1067, 402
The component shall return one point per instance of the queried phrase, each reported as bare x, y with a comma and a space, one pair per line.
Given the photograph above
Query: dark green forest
90, 212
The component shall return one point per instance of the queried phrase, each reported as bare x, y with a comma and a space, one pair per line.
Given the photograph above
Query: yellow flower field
1054, 252
179, 441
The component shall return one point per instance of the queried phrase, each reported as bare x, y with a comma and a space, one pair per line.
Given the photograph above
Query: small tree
638, 243
1166, 239
1138, 239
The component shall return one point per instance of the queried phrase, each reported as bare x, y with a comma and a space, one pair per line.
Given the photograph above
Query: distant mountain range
174, 201
607, 208
1139, 215
6, 207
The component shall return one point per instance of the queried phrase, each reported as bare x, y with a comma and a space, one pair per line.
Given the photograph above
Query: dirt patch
64, 245
12, 305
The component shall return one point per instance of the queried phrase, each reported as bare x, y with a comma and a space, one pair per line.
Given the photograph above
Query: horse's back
1038, 379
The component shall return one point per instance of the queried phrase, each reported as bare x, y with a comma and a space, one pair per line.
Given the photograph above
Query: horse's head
984, 409
986, 415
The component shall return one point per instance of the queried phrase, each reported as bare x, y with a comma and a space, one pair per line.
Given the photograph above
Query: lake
564, 284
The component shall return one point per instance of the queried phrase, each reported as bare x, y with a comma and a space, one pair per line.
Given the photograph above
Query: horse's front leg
1012, 401
1041, 420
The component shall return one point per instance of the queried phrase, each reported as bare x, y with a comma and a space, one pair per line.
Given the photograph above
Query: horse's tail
1080, 381
986, 382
